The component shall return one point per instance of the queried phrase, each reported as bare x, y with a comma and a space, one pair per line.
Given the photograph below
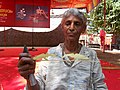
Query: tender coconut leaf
43, 56
77, 56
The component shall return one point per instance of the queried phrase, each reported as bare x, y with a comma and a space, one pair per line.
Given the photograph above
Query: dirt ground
111, 56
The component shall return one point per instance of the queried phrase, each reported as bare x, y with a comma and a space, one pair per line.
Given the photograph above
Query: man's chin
71, 38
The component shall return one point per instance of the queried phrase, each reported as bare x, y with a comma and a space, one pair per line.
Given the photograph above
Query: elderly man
66, 73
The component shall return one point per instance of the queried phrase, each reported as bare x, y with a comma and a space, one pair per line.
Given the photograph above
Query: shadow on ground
112, 56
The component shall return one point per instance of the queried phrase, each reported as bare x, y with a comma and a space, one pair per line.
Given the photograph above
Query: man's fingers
25, 60
25, 74
24, 55
24, 68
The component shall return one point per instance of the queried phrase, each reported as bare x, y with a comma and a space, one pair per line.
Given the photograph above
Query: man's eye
77, 23
67, 23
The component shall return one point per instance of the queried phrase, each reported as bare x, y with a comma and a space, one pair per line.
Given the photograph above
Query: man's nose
71, 30
72, 27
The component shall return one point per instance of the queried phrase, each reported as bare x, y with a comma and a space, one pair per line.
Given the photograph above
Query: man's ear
84, 28
61, 26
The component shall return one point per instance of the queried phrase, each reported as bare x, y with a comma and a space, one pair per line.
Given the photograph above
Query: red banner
25, 14
7, 13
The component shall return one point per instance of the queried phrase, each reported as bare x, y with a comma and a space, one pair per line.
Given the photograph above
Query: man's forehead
72, 17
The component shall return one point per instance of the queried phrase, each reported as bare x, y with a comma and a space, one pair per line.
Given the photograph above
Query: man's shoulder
54, 49
88, 51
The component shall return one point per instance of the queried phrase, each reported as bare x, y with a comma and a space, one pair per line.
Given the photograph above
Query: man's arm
98, 76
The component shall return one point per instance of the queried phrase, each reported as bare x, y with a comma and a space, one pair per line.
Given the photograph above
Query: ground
109, 56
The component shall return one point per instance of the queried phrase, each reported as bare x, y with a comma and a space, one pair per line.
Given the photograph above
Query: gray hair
75, 12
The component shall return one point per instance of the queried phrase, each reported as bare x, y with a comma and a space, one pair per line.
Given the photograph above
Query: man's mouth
71, 34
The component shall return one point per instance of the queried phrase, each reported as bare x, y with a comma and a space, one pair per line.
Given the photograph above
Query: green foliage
96, 19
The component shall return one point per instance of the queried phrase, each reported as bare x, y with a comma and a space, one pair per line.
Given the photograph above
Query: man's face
72, 28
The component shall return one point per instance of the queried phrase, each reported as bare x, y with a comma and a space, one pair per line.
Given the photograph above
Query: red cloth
10, 78
102, 37
102, 33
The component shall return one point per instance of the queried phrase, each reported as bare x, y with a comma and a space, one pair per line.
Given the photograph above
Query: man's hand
26, 65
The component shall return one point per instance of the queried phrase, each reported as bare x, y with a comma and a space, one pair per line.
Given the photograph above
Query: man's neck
70, 47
